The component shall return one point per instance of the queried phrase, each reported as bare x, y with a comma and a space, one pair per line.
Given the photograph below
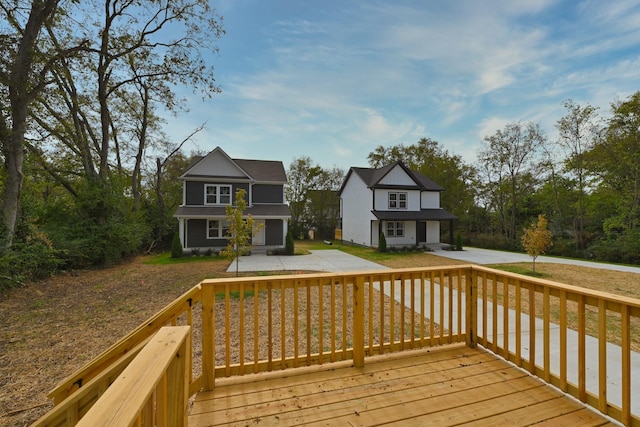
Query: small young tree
537, 239
241, 229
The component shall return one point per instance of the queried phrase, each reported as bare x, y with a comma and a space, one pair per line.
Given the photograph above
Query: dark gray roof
274, 210
259, 170
263, 170
421, 215
372, 177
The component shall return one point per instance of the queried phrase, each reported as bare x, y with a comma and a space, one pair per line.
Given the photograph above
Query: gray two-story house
210, 184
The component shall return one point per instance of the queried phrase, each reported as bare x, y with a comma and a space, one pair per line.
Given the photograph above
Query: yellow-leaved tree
241, 228
537, 239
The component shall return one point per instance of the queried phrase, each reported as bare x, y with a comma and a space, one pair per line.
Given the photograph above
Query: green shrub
458, 242
289, 246
31, 259
382, 243
176, 247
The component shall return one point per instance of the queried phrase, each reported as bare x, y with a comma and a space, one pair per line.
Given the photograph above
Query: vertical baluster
270, 326
518, 323
494, 316
432, 304
563, 340
505, 317
382, 280
547, 334
321, 321
295, 323
283, 323
402, 311
344, 318
241, 331
333, 319
256, 327
602, 356
442, 307
532, 329
423, 315
227, 327
626, 364
485, 312
582, 386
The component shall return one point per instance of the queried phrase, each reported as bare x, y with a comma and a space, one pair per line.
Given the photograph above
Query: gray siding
197, 235
263, 193
273, 232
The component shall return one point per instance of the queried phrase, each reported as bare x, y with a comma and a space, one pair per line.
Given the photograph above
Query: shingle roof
257, 210
423, 214
372, 176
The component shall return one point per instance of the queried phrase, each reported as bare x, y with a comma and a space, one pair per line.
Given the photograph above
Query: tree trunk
21, 82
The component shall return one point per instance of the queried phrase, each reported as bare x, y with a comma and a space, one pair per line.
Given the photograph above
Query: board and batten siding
430, 200
382, 199
397, 176
356, 214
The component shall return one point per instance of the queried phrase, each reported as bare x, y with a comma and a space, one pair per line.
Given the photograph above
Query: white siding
397, 176
356, 211
430, 200
433, 232
409, 238
382, 199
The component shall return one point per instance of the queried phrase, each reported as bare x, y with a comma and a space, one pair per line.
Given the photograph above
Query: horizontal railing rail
267, 323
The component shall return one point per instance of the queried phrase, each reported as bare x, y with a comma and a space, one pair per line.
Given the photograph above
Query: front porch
334, 348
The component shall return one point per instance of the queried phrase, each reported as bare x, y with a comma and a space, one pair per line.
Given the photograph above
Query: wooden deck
448, 385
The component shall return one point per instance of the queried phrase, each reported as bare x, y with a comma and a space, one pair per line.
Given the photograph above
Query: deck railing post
358, 322
208, 340
471, 308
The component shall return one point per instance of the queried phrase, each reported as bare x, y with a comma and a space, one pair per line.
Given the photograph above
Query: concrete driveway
329, 260
333, 260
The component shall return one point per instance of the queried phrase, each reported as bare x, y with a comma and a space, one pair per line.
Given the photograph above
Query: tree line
586, 183
89, 177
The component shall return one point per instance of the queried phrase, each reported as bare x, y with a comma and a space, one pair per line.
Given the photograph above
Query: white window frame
218, 196
397, 200
217, 229
395, 229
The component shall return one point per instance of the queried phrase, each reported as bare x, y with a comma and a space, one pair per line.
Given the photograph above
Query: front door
258, 232
421, 232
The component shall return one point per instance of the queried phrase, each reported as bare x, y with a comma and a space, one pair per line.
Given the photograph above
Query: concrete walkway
338, 261
330, 260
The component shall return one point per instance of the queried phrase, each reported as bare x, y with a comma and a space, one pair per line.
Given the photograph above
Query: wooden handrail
153, 389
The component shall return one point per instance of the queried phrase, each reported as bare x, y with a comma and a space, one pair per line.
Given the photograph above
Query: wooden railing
268, 323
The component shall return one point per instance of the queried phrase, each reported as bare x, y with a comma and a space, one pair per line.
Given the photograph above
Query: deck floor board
448, 385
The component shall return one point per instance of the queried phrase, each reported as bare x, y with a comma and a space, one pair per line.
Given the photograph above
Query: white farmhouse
394, 200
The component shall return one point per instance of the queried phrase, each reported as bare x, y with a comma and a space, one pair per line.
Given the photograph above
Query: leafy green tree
507, 164
241, 228
24, 66
537, 239
578, 133
311, 192
615, 160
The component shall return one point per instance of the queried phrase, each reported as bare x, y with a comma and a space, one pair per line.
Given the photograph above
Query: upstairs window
395, 228
397, 200
217, 229
217, 194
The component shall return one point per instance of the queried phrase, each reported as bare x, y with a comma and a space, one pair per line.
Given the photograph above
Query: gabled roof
252, 170
373, 176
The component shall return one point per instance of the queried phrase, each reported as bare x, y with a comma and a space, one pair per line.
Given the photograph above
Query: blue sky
332, 80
